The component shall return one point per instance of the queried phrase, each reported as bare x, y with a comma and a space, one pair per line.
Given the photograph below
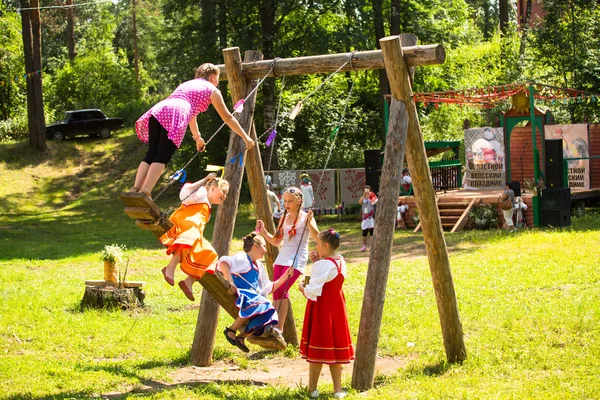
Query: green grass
529, 302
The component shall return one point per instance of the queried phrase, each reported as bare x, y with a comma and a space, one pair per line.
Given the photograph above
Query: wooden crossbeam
414, 56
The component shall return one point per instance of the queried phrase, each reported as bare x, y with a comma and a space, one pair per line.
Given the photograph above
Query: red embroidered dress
325, 334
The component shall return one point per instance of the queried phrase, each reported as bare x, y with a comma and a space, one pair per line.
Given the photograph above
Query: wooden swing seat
147, 214
149, 217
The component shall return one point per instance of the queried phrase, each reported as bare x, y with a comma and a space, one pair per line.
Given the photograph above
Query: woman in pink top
164, 125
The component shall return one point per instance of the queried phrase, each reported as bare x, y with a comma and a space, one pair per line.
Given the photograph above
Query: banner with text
326, 192
484, 149
575, 145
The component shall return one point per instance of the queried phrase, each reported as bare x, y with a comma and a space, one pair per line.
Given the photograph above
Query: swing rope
334, 137
173, 178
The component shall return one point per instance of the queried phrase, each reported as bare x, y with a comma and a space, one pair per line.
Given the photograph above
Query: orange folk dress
187, 231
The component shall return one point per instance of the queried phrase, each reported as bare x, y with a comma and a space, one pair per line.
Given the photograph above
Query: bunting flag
238, 157
215, 168
335, 130
179, 176
17, 78
490, 97
239, 106
271, 138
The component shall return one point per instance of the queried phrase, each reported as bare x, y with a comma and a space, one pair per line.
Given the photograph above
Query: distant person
508, 213
164, 125
308, 197
275, 204
406, 183
520, 206
367, 202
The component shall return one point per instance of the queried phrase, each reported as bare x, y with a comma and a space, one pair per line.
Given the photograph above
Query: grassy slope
529, 302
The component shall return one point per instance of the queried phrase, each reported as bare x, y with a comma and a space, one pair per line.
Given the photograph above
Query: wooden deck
453, 203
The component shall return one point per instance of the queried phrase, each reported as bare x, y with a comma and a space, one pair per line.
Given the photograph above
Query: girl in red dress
325, 334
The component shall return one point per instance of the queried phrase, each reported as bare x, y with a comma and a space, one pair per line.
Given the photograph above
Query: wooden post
361, 60
208, 316
383, 236
433, 234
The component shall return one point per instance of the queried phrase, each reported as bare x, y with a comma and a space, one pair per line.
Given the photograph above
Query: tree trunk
503, 11
525, 28
136, 61
71, 32
33, 65
208, 316
395, 22
384, 86
268, 11
487, 26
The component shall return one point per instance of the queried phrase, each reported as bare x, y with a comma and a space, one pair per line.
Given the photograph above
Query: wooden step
452, 211
453, 204
449, 218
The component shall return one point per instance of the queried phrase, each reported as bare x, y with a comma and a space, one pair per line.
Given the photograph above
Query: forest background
485, 45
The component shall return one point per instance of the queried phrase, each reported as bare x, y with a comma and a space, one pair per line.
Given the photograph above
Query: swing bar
414, 56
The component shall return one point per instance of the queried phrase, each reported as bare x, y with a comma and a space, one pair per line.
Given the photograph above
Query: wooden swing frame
404, 135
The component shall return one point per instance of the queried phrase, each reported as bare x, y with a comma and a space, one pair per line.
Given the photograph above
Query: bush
99, 80
14, 128
484, 216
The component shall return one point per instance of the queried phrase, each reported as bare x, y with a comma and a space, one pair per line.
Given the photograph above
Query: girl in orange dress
185, 240
325, 334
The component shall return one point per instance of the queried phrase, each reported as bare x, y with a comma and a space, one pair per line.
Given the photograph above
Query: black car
91, 122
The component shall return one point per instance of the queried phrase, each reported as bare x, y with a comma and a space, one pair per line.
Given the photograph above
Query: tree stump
109, 297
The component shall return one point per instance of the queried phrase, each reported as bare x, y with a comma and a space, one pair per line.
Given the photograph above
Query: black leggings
367, 231
160, 147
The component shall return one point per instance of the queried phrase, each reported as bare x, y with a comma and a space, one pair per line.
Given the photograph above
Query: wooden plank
143, 213
433, 234
417, 228
361, 60
267, 342
464, 217
139, 200
383, 236
128, 284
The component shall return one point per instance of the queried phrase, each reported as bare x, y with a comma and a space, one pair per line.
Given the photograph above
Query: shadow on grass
213, 389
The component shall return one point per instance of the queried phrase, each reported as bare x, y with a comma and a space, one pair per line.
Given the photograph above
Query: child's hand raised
309, 215
260, 226
211, 177
314, 256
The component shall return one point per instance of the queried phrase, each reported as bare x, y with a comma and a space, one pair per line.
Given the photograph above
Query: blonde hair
207, 69
297, 193
220, 183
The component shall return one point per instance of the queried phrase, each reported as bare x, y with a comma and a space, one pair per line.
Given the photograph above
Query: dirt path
278, 370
